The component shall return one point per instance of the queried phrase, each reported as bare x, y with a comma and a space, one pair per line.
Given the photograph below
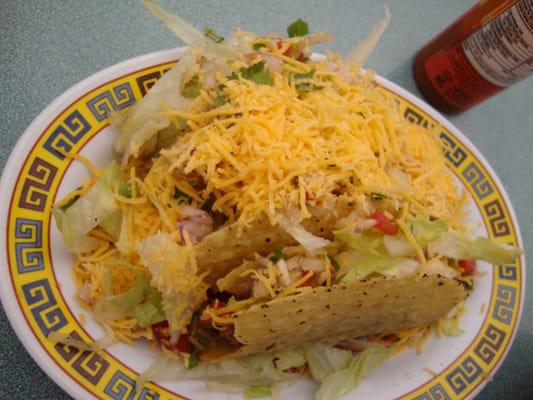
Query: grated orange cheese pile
269, 148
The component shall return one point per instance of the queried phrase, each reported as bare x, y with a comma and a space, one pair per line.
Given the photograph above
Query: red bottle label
456, 79
488, 60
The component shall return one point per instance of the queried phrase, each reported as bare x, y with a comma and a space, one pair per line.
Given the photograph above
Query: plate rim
48, 115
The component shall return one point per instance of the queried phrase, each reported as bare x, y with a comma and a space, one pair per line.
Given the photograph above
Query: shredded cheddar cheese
294, 286
269, 148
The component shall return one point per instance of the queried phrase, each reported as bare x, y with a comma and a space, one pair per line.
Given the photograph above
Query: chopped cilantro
178, 194
219, 101
305, 87
468, 286
257, 73
298, 28
192, 88
213, 35
377, 196
217, 217
208, 205
193, 359
69, 203
278, 255
334, 263
233, 76
125, 190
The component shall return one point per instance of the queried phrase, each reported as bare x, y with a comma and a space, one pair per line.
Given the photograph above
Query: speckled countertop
46, 46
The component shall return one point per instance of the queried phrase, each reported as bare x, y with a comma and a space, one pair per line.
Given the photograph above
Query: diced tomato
292, 51
384, 224
161, 331
183, 345
468, 266
205, 322
161, 334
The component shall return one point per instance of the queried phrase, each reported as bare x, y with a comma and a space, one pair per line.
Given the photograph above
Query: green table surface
47, 46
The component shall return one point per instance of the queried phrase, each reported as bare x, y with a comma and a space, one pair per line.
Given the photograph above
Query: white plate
37, 291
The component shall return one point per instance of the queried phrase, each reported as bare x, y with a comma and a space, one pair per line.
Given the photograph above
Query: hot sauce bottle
486, 50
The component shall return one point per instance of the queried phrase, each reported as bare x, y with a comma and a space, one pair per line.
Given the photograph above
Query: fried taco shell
374, 306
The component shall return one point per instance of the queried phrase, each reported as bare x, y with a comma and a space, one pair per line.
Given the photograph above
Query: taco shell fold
377, 305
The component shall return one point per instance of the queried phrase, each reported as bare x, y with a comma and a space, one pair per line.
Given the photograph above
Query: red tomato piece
161, 331
290, 50
468, 266
384, 224
161, 334
183, 345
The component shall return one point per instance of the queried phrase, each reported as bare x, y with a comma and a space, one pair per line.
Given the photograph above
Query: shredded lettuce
309, 241
450, 327
95, 208
324, 360
398, 245
112, 224
426, 231
367, 242
291, 358
89, 211
363, 49
177, 25
356, 265
140, 301
112, 176
372, 252
174, 276
347, 378
460, 247
256, 369
337, 370
148, 314
146, 118
258, 391
402, 266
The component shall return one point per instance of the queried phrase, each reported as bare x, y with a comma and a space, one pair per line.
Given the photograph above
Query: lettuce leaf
174, 276
426, 231
146, 118
460, 247
356, 265
309, 241
368, 242
324, 360
398, 245
89, 211
258, 391
140, 301
347, 378
256, 369
177, 25
450, 327
360, 53
291, 358
95, 208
